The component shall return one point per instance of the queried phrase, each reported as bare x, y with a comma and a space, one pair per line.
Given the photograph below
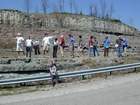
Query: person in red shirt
90, 42
62, 45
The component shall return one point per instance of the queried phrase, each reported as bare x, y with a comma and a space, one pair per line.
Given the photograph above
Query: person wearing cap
62, 45
106, 46
29, 45
19, 47
119, 42
46, 43
71, 45
125, 44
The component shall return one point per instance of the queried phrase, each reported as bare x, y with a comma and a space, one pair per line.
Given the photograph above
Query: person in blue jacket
125, 44
71, 45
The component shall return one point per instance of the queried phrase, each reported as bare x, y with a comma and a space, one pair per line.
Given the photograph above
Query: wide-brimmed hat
18, 33
61, 36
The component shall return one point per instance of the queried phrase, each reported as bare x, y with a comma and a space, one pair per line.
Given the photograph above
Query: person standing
95, 47
20, 47
119, 42
62, 45
55, 47
80, 45
71, 45
125, 44
53, 73
46, 43
90, 43
29, 45
106, 46
36, 47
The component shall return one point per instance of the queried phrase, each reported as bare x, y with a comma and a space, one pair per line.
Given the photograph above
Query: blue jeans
53, 77
90, 51
95, 48
119, 51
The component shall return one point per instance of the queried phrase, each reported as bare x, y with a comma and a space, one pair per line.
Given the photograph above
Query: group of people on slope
28, 43
121, 45
93, 46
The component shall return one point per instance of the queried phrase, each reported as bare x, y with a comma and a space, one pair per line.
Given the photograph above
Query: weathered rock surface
15, 18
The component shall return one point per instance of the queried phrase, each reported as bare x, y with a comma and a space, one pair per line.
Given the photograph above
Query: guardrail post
134, 70
110, 73
83, 77
22, 84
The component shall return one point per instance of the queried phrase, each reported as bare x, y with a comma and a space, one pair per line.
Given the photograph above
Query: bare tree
44, 5
95, 11
71, 3
103, 8
54, 7
90, 9
27, 5
61, 5
75, 6
111, 10
131, 21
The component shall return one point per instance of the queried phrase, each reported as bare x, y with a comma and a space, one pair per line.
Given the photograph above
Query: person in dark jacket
119, 42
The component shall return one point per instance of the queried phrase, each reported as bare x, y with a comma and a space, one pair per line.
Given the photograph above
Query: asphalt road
119, 93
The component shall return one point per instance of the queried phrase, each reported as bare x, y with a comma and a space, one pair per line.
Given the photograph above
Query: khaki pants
62, 51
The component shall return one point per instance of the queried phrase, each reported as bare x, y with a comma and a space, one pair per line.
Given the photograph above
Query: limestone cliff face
15, 18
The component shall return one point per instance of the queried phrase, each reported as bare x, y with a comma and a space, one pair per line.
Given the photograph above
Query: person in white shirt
20, 47
29, 45
46, 43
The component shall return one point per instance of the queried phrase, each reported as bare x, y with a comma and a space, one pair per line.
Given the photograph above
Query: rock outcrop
15, 18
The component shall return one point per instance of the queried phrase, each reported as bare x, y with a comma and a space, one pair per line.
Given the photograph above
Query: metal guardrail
71, 74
